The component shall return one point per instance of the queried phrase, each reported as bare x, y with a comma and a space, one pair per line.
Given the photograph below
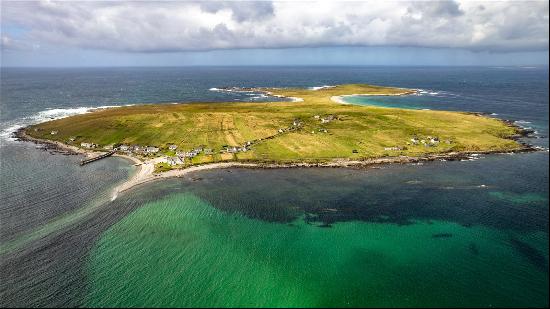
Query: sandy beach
340, 99
145, 169
145, 173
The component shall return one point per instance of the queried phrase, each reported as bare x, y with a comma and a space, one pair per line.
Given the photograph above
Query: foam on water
9, 128
428, 92
371, 245
320, 87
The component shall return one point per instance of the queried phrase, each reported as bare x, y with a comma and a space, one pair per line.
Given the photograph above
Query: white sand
145, 173
341, 98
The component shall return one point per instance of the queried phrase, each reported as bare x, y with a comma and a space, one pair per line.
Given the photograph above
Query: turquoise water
469, 233
210, 240
385, 101
181, 251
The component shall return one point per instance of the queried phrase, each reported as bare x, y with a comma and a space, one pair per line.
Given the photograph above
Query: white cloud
190, 26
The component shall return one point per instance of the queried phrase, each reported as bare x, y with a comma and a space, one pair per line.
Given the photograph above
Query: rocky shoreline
51, 146
146, 173
521, 133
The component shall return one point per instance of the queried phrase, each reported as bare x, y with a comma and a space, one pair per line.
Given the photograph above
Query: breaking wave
320, 87
428, 92
8, 128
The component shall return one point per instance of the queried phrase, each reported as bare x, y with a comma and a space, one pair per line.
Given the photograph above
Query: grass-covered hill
347, 131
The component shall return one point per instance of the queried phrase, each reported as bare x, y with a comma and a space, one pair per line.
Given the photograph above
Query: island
312, 127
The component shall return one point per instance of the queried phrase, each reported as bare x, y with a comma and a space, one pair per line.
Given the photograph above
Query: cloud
171, 26
241, 11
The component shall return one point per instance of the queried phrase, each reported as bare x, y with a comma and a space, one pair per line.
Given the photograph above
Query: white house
232, 149
172, 147
88, 145
174, 160
189, 154
151, 149
123, 147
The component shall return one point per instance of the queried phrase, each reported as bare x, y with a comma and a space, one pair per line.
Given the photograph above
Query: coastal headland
314, 128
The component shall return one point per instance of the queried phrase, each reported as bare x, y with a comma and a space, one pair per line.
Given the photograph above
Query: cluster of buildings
175, 160
396, 148
325, 119
320, 130
235, 149
88, 145
429, 141
296, 124
138, 149
195, 152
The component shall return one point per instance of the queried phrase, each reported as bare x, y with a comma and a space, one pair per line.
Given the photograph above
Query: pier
105, 155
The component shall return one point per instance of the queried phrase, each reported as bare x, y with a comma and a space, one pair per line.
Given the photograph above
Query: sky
181, 33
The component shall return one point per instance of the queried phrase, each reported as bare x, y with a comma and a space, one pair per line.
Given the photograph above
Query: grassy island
313, 128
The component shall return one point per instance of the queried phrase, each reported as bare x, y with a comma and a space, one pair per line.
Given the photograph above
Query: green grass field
357, 132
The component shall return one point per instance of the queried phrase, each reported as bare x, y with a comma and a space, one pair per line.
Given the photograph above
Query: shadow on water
327, 196
532, 254
474, 249
442, 235
49, 272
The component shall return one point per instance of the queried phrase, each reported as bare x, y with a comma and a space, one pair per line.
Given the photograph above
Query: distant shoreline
341, 98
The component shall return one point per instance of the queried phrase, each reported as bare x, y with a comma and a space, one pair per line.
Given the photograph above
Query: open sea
463, 233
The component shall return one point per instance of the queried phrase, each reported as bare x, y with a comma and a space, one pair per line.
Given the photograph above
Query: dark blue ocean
57, 222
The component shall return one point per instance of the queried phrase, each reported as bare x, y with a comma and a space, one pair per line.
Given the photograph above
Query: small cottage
174, 160
232, 149
88, 145
151, 149
190, 154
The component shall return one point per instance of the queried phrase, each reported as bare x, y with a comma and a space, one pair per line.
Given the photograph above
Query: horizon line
280, 65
